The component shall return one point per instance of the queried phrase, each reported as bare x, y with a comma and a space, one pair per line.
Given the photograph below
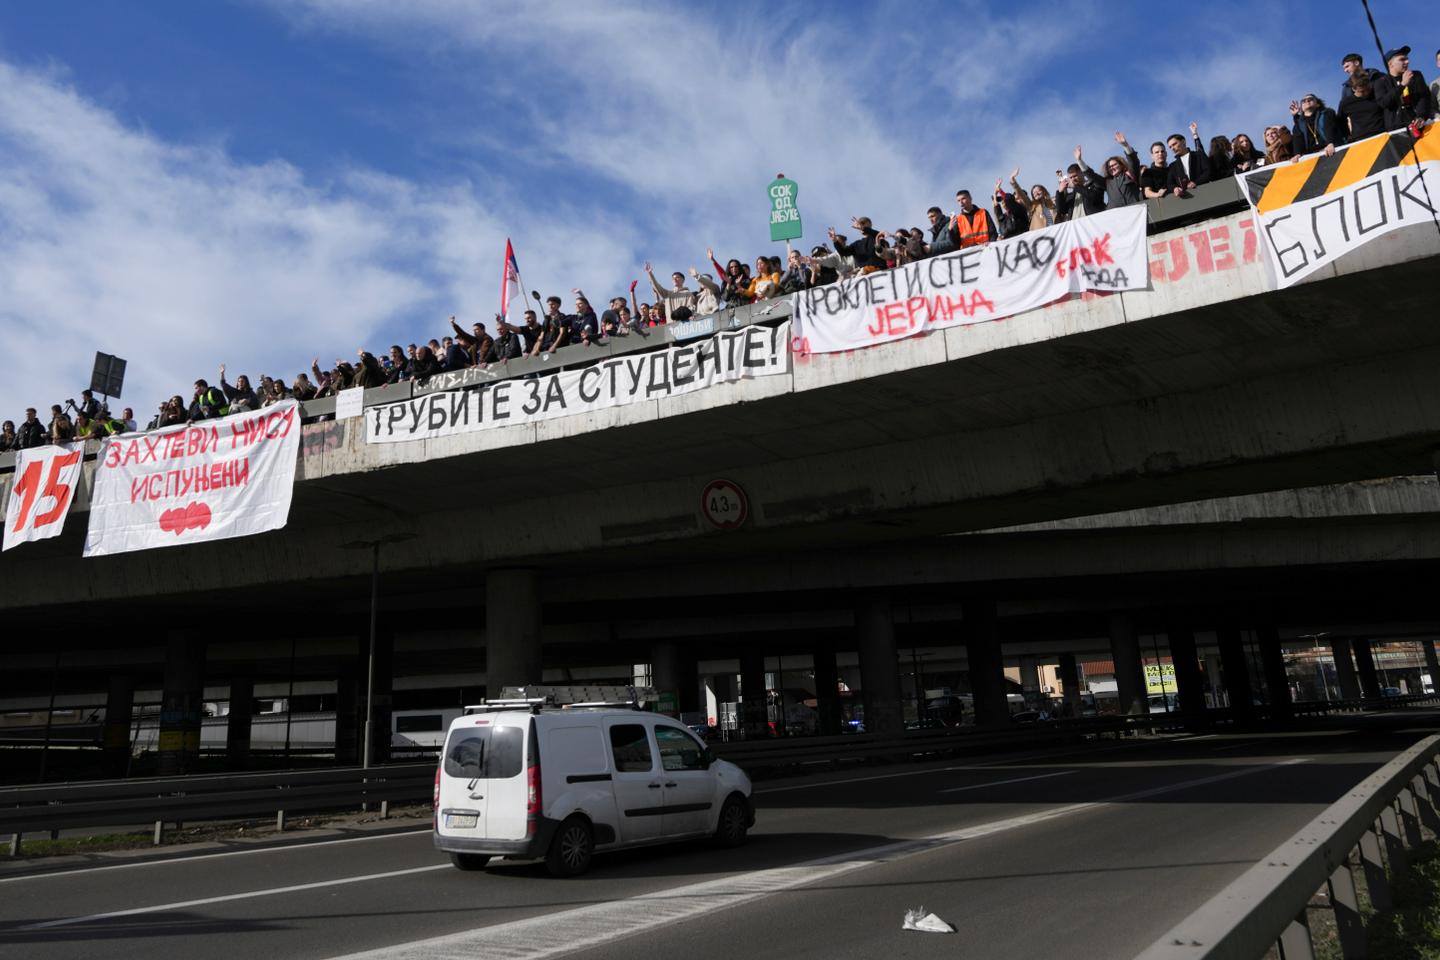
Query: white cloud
178, 258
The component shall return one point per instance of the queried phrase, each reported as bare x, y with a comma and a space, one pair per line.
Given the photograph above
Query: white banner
1105, 251
742, 354
44, 488
205, 481
1315, 210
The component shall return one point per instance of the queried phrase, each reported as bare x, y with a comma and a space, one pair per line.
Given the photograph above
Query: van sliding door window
631, 748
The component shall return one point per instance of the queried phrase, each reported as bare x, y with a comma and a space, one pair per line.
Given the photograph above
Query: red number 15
28, 486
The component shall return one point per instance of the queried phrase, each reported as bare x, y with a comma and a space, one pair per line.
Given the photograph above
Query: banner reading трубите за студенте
1316, 209
726, 357
209, 480
1104, 252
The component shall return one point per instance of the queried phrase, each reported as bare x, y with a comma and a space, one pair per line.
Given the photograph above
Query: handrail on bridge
1267, 905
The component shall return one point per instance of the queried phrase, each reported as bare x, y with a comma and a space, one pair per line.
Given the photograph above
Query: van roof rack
534, 697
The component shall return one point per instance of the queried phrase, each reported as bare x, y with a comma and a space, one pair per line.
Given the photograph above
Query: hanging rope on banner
1375, 32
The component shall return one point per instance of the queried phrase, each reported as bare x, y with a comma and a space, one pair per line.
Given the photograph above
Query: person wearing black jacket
1122, 183
31, 432
1354, 67
1316, 126
863, 250
506, 344
1190, 168
1402, 93
1362, 115
1080, 193
1011, 219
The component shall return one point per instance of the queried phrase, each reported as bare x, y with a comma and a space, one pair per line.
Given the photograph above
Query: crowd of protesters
1370, 102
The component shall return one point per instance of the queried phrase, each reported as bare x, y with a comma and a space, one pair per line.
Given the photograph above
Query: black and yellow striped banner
1271, 188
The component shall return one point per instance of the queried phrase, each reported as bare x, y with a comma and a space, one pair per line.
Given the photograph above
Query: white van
526, 777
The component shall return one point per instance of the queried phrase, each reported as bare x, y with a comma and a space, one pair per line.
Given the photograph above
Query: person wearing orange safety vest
973, 225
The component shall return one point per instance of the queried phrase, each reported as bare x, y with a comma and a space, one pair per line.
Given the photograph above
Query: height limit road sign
724, 504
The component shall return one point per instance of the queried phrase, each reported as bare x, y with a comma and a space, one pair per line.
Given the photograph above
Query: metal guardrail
181, 799
1267, 904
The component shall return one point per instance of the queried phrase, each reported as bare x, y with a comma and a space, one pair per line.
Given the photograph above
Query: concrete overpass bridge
579, 543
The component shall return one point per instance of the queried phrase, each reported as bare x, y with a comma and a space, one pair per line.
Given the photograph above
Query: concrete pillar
1236, 669
181, 705
1214, 679
1345, 673
237, 725
1365, 661
1129, 676
754, 699
115, 739
382, 701
1190, 683
879, 672
1030, 681
1070, 685
347, 719
827, 691
987, 669
513, 655
673, 672
1432, 663
1272, 662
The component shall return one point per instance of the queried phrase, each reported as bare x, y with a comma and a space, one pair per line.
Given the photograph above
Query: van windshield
485, 753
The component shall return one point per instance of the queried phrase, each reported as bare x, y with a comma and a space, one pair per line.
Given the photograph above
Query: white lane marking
67, 921
304, 845
1001, 783
571, 931
879, 776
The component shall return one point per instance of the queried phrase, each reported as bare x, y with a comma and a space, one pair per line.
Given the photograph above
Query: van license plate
461, 820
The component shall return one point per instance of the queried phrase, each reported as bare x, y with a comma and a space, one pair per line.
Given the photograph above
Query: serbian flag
512, 296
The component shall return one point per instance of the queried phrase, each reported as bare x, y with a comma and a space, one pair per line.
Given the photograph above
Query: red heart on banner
196, 516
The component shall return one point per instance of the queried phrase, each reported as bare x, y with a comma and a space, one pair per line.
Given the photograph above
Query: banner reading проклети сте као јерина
1102, 252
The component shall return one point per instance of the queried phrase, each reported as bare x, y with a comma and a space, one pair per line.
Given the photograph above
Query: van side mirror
708, 757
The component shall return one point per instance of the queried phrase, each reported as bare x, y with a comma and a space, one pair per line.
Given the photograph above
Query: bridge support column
1235, 667
1365, 662
237, 725
513, 655
987, 669
115, 738
754, 698
827, 691
1030, 681
347, 719
1129, 677
382, 702
181, 705
674, 673
1432, 663
1272, 661
1070, 685
1345, 673
1189, 681
879, 672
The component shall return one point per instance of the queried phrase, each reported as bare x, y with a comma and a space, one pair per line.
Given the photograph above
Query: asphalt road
1093, 852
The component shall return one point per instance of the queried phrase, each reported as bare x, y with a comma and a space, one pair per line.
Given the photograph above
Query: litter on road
925, 922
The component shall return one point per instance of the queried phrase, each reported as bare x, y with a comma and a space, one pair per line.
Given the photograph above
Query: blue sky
260, 183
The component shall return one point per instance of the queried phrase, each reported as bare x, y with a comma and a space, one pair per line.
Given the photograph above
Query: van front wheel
571, 849
469, 861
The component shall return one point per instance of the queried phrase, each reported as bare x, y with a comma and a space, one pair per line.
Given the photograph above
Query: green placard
784, 215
